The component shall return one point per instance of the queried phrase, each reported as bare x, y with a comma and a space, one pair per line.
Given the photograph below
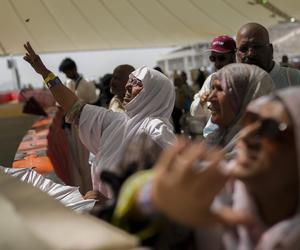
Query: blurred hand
35, 61
184, 193
96, 195
204, 98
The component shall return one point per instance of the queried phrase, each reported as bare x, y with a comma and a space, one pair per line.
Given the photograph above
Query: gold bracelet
49, 77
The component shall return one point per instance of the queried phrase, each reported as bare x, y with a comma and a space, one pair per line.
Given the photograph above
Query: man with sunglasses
222, 52
254, 47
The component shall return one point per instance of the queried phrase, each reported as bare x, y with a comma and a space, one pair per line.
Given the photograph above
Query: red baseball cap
222, 44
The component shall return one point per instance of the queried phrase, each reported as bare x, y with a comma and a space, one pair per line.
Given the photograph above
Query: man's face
183, 76
254, 48
266, 149
221, 59
118, 82
71, 73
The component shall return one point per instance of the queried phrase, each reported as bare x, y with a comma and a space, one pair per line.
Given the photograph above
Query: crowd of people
236, 188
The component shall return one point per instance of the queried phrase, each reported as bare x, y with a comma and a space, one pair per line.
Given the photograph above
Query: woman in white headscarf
148, 102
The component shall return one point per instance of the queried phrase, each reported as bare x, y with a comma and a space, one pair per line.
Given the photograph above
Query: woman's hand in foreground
35, 61
204, 98
95, 195
184, 192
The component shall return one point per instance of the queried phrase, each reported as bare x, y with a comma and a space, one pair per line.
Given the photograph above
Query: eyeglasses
133, 81
220, 58
253, 47
268, 128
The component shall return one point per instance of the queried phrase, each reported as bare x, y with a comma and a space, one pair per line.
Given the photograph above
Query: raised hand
204, 98
64, 96
184, 191
35, 61
181, 190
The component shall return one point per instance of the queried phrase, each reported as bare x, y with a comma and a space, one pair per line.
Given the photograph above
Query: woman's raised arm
64, 96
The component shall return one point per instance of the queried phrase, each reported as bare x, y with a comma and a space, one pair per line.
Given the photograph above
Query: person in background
254, 47
284, 61
189, 92
159, 69
182, 101
85, 90
222, 52
198, 83
117, 86
105, 94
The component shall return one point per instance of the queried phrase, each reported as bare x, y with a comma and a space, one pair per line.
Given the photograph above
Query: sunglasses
268, 128
220, 58
253, 47
133, 81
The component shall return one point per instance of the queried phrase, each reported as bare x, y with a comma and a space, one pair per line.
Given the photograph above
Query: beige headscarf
242, 83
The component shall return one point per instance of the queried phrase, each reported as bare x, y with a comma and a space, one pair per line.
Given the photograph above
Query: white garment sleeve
160, 132
92, 123
196, 108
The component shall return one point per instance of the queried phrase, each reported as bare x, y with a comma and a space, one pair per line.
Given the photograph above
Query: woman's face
266, 149
133, 87
221, 110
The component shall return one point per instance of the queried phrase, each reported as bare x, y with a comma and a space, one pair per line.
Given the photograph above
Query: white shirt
86, 91
196, 109
284, 77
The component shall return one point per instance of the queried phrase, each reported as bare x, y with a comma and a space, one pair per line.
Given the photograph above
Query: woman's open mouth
127, 98
213, 109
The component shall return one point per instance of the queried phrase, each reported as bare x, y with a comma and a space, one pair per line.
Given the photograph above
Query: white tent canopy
73, 25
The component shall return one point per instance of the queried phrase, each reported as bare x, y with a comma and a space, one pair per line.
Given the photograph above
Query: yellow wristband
49, 77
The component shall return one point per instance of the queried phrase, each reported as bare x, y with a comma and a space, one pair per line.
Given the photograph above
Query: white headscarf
157, 97
106, 133
156, 100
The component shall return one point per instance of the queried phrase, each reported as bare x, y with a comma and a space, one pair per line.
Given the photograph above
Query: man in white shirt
254, 47
85, 90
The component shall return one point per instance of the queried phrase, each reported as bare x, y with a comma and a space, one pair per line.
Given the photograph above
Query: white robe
106, 134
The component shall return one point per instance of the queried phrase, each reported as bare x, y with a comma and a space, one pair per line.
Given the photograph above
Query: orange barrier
6, 97
41, 164
32, 151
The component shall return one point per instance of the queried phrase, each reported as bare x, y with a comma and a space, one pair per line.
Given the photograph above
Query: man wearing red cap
222, 52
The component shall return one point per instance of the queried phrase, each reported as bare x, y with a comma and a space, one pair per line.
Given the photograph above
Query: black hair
158, 69
67, 64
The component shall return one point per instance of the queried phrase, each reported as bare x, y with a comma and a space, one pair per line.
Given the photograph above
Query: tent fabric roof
74, 25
